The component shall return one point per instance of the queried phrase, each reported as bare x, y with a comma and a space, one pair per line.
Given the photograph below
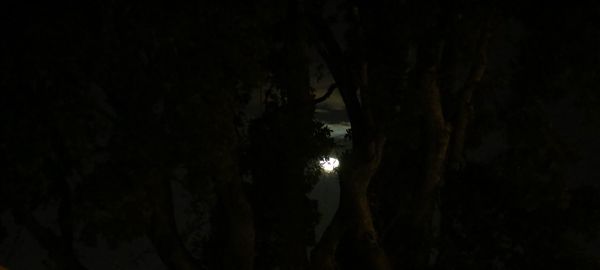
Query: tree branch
354, 219
331, 52
330, 90
464, 110
161, 227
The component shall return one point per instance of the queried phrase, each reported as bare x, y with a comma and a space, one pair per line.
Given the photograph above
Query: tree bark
356, 211
464, 109
353, 222
292, 220
60, 250
237, 238
161, 227
239, 250
444, 139
437, 139
59, 246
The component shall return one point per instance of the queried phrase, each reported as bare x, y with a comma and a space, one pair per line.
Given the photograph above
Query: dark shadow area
188, 136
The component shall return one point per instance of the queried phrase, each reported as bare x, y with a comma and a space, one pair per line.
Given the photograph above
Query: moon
329, 164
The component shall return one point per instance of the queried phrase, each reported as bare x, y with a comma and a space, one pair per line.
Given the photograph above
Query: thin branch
330, 90
331, 52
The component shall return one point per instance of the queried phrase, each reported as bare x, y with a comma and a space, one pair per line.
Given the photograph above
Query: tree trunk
239, 250
437, 136
444, 139
292, 220
238, 235
59, 250
161, 227
353, 223
356, 211
464, 109
59, 246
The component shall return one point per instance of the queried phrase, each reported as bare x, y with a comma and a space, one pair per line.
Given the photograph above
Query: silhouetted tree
109, 107
286, 144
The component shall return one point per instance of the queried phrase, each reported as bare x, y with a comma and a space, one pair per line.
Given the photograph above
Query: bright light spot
329, 164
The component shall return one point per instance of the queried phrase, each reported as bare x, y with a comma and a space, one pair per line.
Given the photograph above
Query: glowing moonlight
329, 164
